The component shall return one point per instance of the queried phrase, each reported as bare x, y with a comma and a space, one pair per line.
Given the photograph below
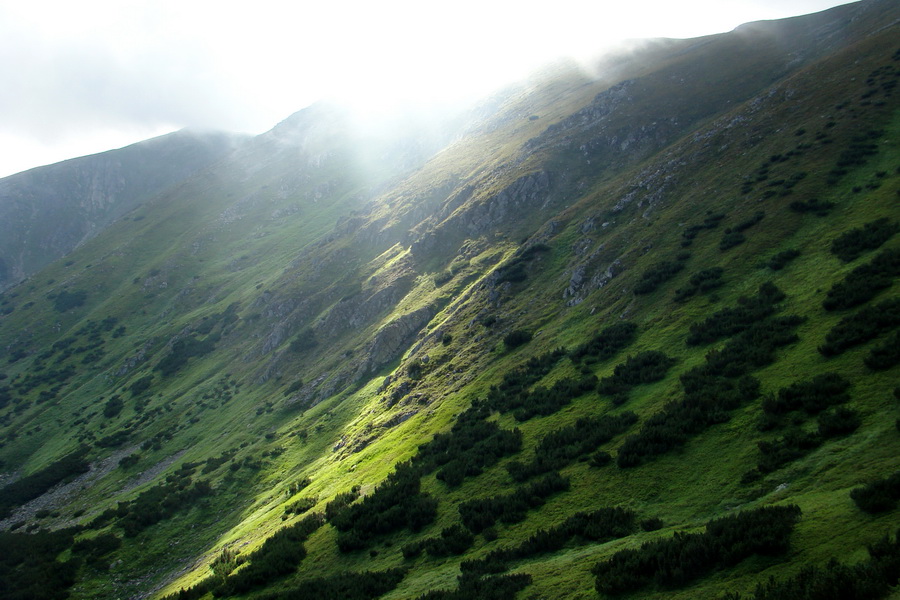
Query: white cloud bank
82, 77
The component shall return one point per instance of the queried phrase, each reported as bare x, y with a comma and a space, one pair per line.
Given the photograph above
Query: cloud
56, 89
81, 69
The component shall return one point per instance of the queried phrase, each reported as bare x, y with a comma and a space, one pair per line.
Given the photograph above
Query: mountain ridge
349, 335
89, 192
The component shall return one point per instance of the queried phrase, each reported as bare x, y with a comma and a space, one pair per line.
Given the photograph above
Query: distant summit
47, 211
628, 331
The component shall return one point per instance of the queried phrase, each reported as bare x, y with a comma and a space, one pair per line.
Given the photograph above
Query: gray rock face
526, 195
391, 339
360, 311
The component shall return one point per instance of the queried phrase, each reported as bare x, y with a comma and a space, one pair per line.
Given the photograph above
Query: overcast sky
92, 75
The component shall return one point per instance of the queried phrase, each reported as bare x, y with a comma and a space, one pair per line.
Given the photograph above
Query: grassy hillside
47, 211
632, 332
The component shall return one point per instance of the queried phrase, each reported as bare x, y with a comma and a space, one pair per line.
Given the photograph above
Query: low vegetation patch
710, 222
560, 447
656, 275
701, 282
366, 585
817, 207
674, 562
886, 355
478, 515
782, 259
856, 242
864, 282
868, 580
878, 496
471, 445
452, 541
496, 587
720, 385
279, 555
396, 504
29, 568
733, 320
598, 526
859, 328
644, 367
606, 344
31, 486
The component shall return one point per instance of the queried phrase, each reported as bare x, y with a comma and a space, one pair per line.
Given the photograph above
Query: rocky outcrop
589, 276
360, 310
392, 339
525, 197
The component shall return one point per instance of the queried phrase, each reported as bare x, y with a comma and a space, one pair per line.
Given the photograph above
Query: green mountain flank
46, 212
621, 330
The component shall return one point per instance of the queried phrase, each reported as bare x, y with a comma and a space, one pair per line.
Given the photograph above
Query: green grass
329, 267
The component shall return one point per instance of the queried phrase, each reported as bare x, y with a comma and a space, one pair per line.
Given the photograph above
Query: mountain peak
627, 330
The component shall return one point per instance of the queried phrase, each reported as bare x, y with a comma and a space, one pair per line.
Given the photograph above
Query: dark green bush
859, 328
442, 277
812, 396
701, 282
396, 504
886, 355
279, 555
675, 562
514, 270
66, 300
300, 506
817, 207
366, 585
606, 344
793, 445
867, 580
113, 407
878, 496
97, 546
517, 337
29, 569
129, 461
542, 401
182, 350
780, 260
31, 486
711, 390
852, 244
597, 526
141, 385
656, 275
482, 513
497, 587
731, 239
304, 341
452, 541
468, 448
864, 282
560, 447
838, 421
730, 321
161, 502
339, 504
644, 367
710, 222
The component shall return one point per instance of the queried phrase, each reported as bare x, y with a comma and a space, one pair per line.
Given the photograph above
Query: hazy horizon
96, 76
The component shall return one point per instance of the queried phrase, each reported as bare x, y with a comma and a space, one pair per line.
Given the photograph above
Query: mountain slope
48, 211
617, 297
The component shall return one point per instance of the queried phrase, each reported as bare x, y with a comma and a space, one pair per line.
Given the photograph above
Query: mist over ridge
619, 329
